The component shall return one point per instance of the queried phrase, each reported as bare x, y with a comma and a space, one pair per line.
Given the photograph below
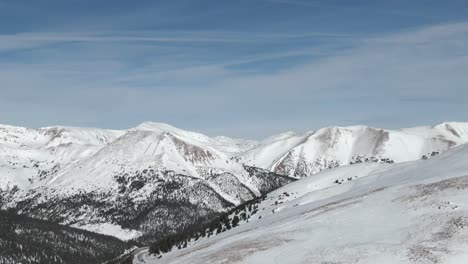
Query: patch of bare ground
238, 251
451, 228
431, 251
424, 254
423, 191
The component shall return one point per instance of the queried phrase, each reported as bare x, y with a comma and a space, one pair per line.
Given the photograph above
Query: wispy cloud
35, 40
401, 75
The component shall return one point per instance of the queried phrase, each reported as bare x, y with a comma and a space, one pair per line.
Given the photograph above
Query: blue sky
238, 68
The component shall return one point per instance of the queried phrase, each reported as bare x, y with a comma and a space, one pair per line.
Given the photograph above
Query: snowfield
111, 230
411, 212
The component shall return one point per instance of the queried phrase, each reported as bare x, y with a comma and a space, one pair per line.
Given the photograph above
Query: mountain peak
161, 128
155, 126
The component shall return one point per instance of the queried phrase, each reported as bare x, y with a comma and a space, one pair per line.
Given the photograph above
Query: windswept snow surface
412, 212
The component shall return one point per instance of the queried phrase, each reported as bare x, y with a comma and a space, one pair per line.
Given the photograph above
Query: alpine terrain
154, 180
413, 212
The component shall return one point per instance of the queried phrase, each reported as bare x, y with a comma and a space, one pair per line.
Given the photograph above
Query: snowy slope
311, 152
412, 212
29, 156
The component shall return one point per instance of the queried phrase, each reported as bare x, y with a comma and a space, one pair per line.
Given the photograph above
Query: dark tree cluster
31, 241
222, 223
268, 181
341, 181
362, 159
43, 174
432, 154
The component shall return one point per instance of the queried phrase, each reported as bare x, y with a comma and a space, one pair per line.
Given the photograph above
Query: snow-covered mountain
126, 183
130, 181
85, 157
412, 212
29, 156
306, 154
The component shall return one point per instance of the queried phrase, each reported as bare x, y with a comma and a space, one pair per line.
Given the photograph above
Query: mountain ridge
289, 153
129, 180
